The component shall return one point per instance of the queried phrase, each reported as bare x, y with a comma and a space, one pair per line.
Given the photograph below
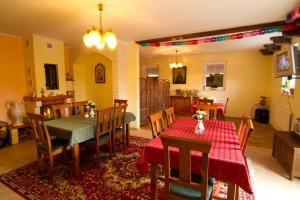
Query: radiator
282, 119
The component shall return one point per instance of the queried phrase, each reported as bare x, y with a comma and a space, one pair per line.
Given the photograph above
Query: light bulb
173, 65
110, 39
95, 36
101, 44
179, 64
87, 40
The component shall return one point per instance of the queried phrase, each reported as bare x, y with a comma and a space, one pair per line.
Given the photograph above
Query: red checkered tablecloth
226, 161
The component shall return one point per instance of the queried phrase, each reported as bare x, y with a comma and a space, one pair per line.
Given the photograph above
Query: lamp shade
87, 40
110, 39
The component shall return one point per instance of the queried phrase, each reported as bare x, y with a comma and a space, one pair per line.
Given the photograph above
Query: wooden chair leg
98, 156
40, 161
110, 148
123, 141
51, 167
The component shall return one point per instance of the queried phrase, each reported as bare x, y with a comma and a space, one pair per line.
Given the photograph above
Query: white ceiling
134, 20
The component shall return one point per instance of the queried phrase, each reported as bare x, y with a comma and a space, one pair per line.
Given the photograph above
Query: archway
85, 85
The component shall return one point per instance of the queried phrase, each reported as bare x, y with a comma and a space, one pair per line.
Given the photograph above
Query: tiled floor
270, 178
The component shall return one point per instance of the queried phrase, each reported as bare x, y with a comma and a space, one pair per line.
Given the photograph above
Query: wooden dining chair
210, 109
245, 130
222, 114
103, 133
79, 107
183, 187
119, 130
46, 148
169, 116
157, 123
62, 110
118, 102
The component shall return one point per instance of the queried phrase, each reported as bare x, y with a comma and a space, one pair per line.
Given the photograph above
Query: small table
78, 129
286, 148
15, 134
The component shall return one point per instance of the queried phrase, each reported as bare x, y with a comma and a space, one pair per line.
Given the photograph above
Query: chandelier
98, 37
176, 64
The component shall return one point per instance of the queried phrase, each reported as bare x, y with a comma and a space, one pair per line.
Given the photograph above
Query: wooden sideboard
286, 148
182, 104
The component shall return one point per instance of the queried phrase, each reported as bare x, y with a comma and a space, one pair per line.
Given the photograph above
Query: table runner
226, 161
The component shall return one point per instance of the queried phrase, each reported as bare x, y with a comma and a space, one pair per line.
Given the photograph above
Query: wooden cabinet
286, 148
154, 97
182, 104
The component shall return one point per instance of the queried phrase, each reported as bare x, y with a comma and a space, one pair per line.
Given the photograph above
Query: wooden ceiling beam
212, 33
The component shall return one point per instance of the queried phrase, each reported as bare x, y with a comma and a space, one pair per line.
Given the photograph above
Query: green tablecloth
77, 128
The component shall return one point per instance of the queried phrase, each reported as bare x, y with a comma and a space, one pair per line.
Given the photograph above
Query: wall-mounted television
286, 61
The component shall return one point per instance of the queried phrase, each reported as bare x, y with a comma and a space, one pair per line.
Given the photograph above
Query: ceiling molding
214, 32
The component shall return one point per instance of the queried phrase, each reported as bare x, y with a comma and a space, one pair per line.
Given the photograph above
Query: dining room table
77, 129
226, 161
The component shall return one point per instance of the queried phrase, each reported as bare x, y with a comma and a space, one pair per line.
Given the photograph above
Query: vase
15, 111
199, 127
92, 112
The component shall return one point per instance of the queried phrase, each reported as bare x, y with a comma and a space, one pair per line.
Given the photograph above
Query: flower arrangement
199, 115
91, 104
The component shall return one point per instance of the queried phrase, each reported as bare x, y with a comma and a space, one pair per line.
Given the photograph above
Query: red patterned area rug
114, 179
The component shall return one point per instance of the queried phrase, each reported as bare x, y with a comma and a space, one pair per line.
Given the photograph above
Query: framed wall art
100, 73
179, 75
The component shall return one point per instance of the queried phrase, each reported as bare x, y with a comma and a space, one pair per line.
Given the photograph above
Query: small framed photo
100, 73
179, 75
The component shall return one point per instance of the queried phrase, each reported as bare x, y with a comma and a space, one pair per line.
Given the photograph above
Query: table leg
231, 191
237, 192
127, 134
76, 158
154, 176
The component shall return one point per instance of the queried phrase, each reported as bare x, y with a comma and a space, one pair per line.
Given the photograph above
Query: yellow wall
54, 55
84, 80
12, 71
247, 77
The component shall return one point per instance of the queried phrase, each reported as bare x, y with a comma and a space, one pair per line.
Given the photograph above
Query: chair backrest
170, 116
244, 132
185, 147
227, 99
79, 107
157, 123
62, 110
205, 101
104, 122
118, 102
119, 116
40, 130
209, 109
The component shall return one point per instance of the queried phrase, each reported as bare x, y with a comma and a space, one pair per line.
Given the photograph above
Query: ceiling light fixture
176, 64
99, 37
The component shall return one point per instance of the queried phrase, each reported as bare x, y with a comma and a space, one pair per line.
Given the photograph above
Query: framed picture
100, 73
179, 75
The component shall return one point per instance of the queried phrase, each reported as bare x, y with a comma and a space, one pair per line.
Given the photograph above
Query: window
288, 85
214, 75
151, 71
